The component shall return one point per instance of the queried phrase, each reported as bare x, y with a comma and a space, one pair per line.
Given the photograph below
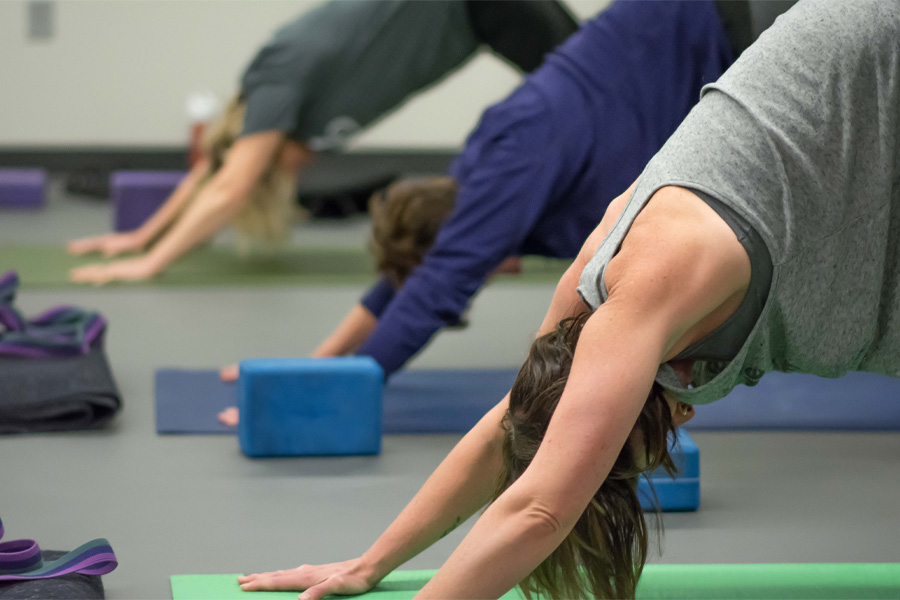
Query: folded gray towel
57, 394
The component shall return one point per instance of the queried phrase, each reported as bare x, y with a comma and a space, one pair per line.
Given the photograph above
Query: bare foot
229, 373
229, 416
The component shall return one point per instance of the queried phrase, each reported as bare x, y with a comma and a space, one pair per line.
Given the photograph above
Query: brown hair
604, 554
271, 205
406, 219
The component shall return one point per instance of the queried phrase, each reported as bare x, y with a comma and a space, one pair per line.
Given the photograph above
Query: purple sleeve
502, 195
378, 297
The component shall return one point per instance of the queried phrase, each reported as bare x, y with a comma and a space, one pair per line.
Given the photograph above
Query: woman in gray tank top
765, 235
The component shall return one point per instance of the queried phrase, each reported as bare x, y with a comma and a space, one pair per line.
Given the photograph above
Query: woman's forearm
463, 483
169, 211
214, 208
349, 335
221, 199
509, 540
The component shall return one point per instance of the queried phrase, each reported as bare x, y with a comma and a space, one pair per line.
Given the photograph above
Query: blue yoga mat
187, 402
414, 402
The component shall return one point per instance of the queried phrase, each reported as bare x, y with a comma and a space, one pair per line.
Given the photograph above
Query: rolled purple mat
136, 195
22, 188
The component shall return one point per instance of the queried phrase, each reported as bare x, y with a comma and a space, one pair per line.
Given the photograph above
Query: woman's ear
682, 412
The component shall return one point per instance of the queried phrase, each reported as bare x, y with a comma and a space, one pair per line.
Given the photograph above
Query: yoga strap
60, 331
21, 560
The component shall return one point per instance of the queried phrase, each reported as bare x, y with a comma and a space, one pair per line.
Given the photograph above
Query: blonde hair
264, 221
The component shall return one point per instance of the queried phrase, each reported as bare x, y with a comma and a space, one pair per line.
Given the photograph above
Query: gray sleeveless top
802, 138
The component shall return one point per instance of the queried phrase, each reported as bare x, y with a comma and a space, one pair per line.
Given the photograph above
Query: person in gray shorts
319, 80
764, 235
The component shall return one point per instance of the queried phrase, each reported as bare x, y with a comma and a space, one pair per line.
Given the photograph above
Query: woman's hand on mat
230, 416
111, 244
133, 269
229, 373
315, 581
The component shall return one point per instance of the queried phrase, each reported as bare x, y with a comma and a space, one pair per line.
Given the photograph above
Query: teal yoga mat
830, 581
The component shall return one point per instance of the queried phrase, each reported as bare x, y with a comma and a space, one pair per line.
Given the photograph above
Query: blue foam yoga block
681, 493
308, 407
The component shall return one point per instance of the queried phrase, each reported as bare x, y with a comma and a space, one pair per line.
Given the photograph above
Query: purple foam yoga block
137, 194
22, 188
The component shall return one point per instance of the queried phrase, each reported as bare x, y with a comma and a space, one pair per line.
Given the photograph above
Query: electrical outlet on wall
41, 19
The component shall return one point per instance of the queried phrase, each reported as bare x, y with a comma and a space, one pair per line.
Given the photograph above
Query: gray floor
195, 505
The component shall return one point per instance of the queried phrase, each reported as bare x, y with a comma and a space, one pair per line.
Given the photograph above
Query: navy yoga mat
414, 401
187, 402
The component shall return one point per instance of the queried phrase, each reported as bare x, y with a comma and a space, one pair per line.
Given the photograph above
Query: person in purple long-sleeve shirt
542, 165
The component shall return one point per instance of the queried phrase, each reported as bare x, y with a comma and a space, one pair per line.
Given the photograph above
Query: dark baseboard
337, 184
335, 169
66, 160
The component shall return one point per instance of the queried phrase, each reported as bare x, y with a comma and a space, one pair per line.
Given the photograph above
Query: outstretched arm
216, 204
463, 483
113, 244
655, 308
349, 334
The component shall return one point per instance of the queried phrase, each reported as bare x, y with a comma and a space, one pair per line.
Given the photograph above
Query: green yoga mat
700, 582
48, 267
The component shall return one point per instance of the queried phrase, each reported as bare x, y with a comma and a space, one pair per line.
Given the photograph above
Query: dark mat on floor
57, 394
187, 402
74, 586
42, 266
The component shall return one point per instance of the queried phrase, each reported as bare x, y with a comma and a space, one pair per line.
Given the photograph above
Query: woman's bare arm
345, 339
463, 483
663, 285
168, 212
221, 199
216, 205
349, 334
113, 244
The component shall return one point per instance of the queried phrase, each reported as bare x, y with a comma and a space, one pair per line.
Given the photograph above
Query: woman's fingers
315, 581
122, 270
280, 581
332, 585
109, 245
83, 246
231, 417
90, 274
229, 373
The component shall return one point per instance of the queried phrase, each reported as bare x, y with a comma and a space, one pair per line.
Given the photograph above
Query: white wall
118, 73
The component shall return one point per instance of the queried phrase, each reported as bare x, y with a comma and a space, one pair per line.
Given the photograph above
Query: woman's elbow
542, 520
